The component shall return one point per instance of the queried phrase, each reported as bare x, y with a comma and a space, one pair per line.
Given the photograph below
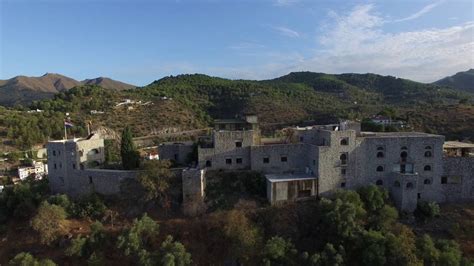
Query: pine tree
130, 156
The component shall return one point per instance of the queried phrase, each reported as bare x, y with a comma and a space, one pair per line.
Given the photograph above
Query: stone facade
71, 168
410, 165
194, 184
178, 152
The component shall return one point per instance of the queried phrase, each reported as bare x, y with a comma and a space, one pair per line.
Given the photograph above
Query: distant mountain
461, 80
24, 90
108, 83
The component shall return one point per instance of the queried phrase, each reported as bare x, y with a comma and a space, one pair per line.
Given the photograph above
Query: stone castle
305, 162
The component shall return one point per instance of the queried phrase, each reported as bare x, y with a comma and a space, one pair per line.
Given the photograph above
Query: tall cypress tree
130, 155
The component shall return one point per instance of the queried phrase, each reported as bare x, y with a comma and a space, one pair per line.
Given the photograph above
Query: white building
38, 169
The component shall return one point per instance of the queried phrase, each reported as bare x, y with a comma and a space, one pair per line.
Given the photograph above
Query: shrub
138, 236
90, 206
26, 259
426, 211
48, 222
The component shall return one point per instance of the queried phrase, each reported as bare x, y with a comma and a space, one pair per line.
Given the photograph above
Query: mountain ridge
463, 80
24, 89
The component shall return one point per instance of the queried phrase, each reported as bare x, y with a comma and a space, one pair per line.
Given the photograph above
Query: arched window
409, 185
379, 182
427, 168
427, 181
404, 148
396, 184
403, 156
428, 154
344, 141
343, 158
428, 148
380, 148
380, 154
379, 168
208, 163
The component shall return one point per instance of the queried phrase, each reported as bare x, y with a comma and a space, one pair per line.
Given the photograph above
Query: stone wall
459, 176
194, 185
178, 152
271, 158
330, 165
225, 153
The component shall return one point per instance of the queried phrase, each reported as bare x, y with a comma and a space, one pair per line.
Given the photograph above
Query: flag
68, 124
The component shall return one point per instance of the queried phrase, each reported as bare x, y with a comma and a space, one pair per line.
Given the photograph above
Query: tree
138, 236
400, 246
174, 253
48, 222
279, 251
383, 218
372, 248
343, 219
242, 235
373, 197
450, 254
155, 180
426, 250
426, 211
330, 256
130, 155
26, 259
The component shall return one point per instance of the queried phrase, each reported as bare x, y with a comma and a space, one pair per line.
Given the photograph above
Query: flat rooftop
457, 145
288, 177
397, 135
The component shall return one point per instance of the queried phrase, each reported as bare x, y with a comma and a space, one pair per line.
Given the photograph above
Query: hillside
461, 80
24, 90
188, 102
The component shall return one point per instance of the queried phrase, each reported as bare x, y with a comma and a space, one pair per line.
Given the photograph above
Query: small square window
54, 153
228, 161
238, 160
343, 171
284, 159
444, 180
266, 160
343, 184
90, 179
238, 144
73, 166
314, 162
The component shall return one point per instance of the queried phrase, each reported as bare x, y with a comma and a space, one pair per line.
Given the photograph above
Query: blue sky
141, 41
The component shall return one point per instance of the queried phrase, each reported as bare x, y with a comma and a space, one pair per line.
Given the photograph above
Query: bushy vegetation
26, 259
48, 222
225, 189
21, 200
138, 241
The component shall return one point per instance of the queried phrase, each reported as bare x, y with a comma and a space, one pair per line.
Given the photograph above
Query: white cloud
420, 13
287, 32
356, 42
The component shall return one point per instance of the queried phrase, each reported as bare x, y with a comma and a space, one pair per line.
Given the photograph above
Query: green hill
192, 101
461, 80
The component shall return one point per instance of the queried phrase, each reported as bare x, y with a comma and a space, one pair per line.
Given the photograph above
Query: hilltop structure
305, 162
